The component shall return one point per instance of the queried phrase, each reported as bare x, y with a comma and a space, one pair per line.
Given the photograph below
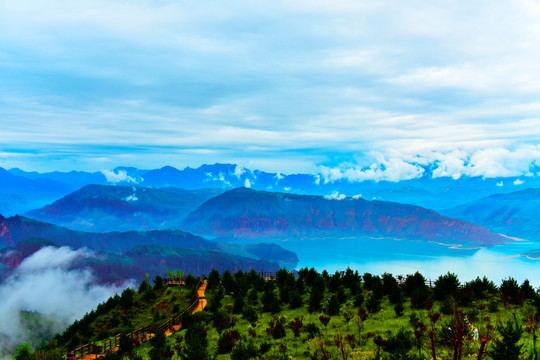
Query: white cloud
132, 197
118, 177
500, 184
518, 182
43, 284
247, 183
487, 163
392, 169
239, 171
284, 85
335, 196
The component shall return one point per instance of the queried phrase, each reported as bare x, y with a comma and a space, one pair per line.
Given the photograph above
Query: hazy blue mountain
142, 259
101, 208
76, 179
132, 254
20, 194
17, 228
515, 214
435, 193
251, 214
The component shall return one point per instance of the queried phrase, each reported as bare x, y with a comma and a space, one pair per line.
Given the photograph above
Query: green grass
383, 323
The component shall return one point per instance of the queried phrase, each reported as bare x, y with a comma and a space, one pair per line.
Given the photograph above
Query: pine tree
196, 343
332, 307
125, 345
160, 349
506, 347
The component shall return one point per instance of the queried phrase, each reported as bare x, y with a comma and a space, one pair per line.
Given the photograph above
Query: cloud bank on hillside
43, 284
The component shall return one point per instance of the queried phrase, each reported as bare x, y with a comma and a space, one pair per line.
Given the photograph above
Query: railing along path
93, 351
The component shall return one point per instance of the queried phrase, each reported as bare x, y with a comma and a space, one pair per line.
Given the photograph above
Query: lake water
377, 256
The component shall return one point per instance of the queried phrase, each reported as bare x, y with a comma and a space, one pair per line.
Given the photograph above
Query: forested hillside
311, 315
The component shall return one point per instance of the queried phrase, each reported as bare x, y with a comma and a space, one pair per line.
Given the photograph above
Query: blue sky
290, 86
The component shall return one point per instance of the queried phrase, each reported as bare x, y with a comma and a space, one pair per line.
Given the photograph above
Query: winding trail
201, 304
197, 306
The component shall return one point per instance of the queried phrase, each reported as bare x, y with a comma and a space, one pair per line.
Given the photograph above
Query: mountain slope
19, 194
101, 208
248, 213
75, 178
515, 214
120, 256
17, 228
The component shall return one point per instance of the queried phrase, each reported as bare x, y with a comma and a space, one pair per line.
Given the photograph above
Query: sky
288, 86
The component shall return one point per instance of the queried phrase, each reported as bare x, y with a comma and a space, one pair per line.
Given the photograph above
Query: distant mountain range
19, 194
131, 254
127, 212
515, 214
103, 208
249, 213
434, 193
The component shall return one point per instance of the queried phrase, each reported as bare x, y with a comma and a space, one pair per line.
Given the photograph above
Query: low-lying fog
43, 284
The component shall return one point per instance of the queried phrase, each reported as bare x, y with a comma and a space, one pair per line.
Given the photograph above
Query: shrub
445, 286
389, 283
373, 304
195, 344
267, 298
396, 296
158, 282
332, 307
125, 345
481, 288
143, 286
245, 351
510, 290
419, 297
238, 306
213, 279
276, 328
221, 320
447, 306
311, 330
296, 326
215, 301
399, 308
24, 352
315, 299
413, 283
507, 348
295, 299
227, 281
359, 299
398, 345
264, 348
250, 314
227, 341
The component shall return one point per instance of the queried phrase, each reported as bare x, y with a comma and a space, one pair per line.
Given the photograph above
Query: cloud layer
487, 163
281, 86
43, 284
